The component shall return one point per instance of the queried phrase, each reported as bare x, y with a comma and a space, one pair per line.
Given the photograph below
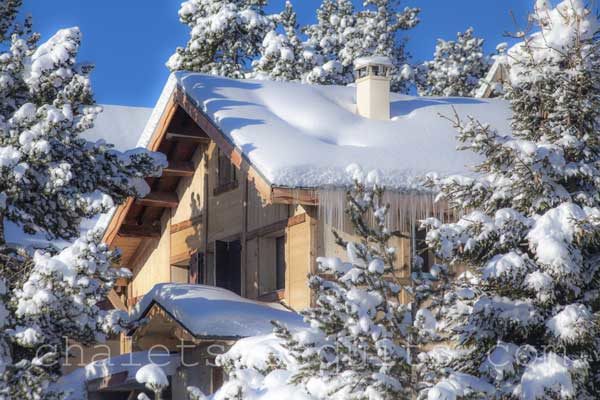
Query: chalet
255, 186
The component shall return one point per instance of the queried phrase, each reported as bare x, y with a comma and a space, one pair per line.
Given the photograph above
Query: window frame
225, 167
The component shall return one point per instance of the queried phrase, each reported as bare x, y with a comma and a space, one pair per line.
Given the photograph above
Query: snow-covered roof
212, 312
378, 60
75, 382
119, 125
304, 136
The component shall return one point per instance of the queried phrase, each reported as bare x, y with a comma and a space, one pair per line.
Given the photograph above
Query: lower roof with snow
304, 136
212, 312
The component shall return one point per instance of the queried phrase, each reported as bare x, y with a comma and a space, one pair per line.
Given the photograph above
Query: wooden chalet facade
213, 219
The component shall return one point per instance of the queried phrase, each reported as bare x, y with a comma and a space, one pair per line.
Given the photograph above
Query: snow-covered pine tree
342, 35
225, 36
526, 324
281, 55
457, 67
355, 348
51, 179
380, 24
326, 40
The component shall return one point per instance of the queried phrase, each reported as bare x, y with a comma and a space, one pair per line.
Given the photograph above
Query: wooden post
205, 214
244, 255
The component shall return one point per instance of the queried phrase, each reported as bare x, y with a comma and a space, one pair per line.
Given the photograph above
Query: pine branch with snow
525, 318
380, 25
343, 34
225, 36
281, 55
456, 69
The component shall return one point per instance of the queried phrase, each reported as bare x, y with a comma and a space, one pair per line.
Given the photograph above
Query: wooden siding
190, 191
299, 264
152, 263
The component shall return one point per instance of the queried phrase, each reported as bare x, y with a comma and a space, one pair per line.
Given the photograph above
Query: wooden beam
187, 223
179, 168
276, 226
143, 231
159, 199
115, 300
179, 258
185, 137
122, 282
282, 195
117, 219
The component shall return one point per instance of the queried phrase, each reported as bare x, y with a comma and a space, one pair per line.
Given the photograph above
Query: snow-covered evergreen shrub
50, 180
456, 69
225, 36
526, 323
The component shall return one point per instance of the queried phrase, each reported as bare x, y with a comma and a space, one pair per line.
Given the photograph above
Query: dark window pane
280, 262
226, 172
228, 272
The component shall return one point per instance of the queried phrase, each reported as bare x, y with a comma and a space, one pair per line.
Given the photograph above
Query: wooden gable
181, 130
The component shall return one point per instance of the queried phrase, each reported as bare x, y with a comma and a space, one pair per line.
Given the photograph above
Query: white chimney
373, 87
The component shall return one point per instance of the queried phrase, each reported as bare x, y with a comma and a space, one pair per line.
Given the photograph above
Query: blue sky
130, 40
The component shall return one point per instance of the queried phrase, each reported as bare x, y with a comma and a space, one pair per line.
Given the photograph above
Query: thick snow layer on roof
305, 136
119, 125
208, 311
75, 382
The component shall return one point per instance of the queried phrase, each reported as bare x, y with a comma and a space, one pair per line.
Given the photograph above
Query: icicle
406, 209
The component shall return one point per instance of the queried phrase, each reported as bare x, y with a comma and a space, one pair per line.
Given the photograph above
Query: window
362, 72
228, 265
226, 173
280, 263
